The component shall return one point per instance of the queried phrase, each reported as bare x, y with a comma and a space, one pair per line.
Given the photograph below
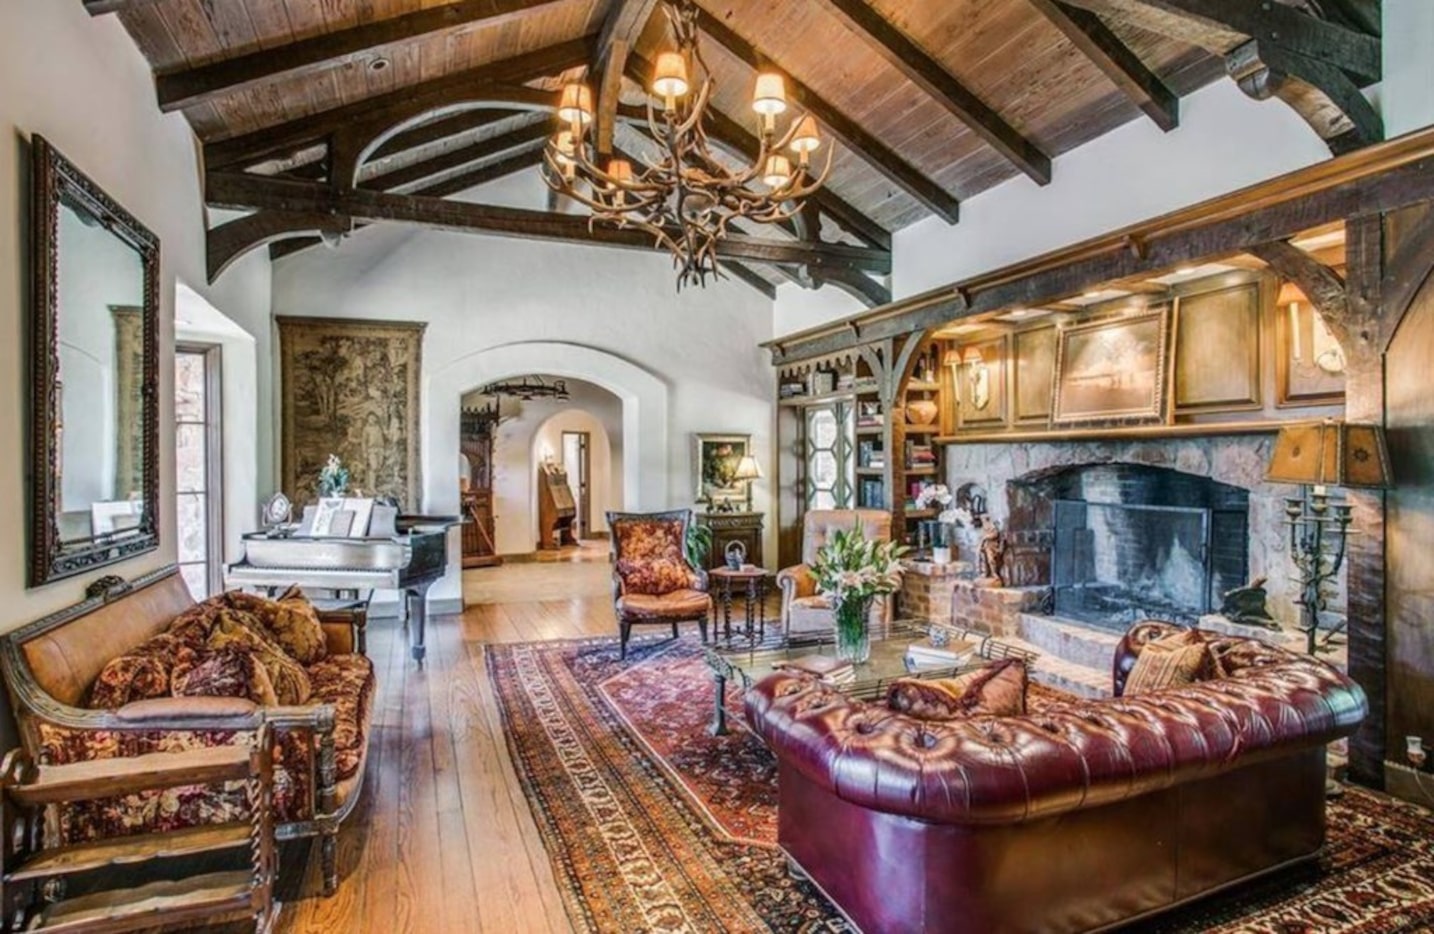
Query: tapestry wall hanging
351, 388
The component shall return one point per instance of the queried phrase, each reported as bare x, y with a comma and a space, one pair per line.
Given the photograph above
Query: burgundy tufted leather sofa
1078, 818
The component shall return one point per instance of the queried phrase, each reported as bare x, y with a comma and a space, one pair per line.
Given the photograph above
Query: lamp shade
669, 77
576, 104
1330, 453
748, 469
770, 95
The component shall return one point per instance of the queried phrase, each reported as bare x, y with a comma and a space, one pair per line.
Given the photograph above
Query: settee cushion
997, 689
1180, 658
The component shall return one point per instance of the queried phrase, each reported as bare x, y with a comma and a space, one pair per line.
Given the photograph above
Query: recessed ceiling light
378, 64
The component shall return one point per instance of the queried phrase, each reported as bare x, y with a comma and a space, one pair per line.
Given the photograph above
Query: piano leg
417, 603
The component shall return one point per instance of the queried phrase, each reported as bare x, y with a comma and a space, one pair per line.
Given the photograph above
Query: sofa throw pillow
658, 576
141, 673
1178, 659
291, 621
238, 630
230, 672
998, 689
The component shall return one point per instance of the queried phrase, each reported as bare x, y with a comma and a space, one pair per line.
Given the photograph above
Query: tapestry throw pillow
660, 576
230, 672
238, 630
998, 689
1176, 660
291, 621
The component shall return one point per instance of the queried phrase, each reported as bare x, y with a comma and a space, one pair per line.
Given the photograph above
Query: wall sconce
1324, 351
978, 378
1318, 455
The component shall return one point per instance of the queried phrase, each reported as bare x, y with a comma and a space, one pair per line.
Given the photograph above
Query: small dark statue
1247, 605
993, 553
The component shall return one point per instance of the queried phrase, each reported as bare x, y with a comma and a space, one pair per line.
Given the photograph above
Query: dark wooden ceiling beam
941, 86
308, 56
1103, 48
99, 7
742, 144
619, 34
1380, 179
746, 275
1221, 25
475, 86
517, 162
232, 239
861, 143
528, 136
241, 191
1328, 100
440, 130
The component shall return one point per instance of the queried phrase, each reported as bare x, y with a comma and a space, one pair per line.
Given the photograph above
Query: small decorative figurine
736, 554
1247, 605
993, 554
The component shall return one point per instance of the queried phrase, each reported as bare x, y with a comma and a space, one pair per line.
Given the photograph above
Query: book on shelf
826, 667
924, 653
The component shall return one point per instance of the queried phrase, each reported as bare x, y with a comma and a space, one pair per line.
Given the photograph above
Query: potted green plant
698, 544
852, 570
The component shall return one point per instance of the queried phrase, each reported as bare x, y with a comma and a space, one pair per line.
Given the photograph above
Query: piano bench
350, 613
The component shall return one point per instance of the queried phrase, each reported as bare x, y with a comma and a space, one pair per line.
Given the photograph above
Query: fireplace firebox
1131, 541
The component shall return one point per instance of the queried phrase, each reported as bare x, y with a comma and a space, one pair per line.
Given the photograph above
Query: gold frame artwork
705, 448
351, 387
1215, 331
1113, 371
1031, 351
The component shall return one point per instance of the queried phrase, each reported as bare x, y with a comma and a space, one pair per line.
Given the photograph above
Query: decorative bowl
921, 411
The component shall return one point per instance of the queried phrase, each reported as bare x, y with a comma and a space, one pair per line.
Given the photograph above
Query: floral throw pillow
230, 672
661, 576
291, 621
998, 690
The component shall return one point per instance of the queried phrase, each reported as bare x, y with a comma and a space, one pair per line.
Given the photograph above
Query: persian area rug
654, 825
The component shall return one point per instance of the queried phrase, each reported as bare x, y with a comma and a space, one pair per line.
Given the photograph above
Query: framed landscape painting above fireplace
1112, 371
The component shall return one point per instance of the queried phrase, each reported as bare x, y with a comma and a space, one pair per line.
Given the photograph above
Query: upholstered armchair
652, 580
805, 610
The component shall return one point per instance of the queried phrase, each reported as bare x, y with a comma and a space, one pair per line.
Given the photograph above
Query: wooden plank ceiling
926, 102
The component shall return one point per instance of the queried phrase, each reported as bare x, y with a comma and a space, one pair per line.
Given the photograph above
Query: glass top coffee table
747, 661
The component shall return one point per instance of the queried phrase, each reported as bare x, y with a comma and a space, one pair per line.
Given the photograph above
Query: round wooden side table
752, 581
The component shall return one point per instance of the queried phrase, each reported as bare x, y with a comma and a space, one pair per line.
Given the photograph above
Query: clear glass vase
853, 640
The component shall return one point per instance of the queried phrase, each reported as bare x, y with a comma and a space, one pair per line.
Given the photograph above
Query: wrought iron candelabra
1319, 530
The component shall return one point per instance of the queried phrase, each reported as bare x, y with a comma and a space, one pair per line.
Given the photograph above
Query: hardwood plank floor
443, 840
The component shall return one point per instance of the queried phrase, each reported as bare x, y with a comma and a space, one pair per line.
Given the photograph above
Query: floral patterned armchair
652, 580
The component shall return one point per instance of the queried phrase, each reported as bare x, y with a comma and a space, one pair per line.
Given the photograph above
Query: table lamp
1317, 456
748, 470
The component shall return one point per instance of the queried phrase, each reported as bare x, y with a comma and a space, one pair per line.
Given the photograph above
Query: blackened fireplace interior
1132, 541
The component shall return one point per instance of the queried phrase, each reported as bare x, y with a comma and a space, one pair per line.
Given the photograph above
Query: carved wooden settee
63, 671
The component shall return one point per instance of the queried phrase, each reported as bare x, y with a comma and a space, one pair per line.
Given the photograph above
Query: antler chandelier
686, 198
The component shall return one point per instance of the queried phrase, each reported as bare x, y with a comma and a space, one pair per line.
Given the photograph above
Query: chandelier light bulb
777, 172
669, 77
770, 97
575, 107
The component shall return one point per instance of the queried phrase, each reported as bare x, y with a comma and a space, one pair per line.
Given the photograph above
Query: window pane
824, 470
823, 428
188, 387
189, 457
193, 531
196, 578
823, 500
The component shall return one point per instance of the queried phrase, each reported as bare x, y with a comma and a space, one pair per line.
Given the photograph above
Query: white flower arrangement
933, 493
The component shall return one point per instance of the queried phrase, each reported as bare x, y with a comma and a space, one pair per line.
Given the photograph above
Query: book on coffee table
825, 667
924, 653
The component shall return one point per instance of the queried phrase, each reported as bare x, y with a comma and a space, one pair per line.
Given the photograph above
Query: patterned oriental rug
653, 825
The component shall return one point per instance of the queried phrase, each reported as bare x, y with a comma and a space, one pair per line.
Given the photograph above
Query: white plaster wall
548, 442
1225, 141
1406, 95
79, 81
584, 305
197, 321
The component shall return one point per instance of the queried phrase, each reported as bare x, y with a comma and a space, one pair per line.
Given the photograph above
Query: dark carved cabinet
728, 527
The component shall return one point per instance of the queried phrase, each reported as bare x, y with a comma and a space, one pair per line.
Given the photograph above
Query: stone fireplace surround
1237, 460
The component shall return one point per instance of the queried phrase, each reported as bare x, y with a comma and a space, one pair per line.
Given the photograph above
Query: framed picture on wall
715, 460
1112, 370
1034, 353
981, 382
1217, 349
1309, 363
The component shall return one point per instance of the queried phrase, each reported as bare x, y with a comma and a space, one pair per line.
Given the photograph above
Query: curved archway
644, 414
547, 441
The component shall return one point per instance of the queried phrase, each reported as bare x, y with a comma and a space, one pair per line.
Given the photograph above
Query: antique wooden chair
652, 580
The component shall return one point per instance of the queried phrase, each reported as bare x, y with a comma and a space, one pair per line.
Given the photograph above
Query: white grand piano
388, 552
